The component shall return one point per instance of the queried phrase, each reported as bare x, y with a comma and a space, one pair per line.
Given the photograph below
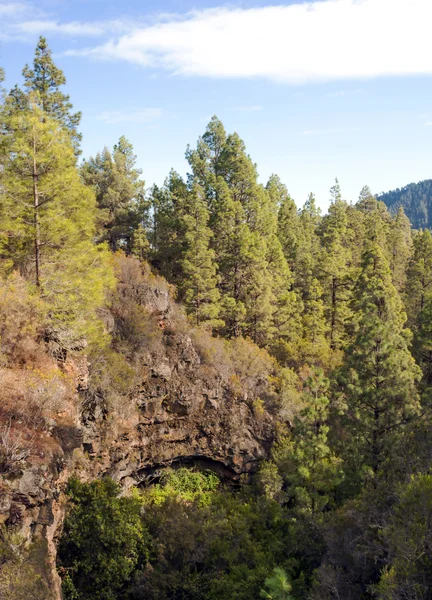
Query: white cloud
12, 9
143, 116
72, 28
316, 41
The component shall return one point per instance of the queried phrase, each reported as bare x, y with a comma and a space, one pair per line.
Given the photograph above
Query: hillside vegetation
207, 392
416, 201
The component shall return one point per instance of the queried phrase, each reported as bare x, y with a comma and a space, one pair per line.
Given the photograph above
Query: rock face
180, 410
181, 418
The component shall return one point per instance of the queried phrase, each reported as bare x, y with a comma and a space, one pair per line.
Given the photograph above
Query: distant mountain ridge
415, 199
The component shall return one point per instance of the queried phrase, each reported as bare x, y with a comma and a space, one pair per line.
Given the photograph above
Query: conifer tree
47, 218
199, 284
288, 222
167, 237
418, 301
314, 347
419, 276
120, 194
422, 344
243, 218
308, 249
379, 376
277, 587
310, 468
375, 219
335, 269
400, 245
42, 84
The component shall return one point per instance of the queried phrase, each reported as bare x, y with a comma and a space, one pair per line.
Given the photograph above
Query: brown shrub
22, 319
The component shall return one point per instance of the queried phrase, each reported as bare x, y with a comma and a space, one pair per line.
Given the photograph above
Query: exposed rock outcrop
186, 405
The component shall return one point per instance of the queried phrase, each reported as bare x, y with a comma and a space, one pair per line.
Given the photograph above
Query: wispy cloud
322, 40
73, 28
318, 41
142, 116
428, 124
16, 24
13, 9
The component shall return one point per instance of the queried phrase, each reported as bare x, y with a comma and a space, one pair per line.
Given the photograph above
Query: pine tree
120, 194
243, 219
277, 587
375, 219
308, 249
47, 219
400, 246
418, 300
167, 237
379, 376
422, 344
199, 284
419, 276
310, 468
43, 83
335, 269
313, 348
288, 221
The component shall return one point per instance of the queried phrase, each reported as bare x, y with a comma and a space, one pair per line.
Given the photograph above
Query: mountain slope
415, 199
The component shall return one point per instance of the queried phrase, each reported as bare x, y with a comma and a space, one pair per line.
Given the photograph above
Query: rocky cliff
164, 394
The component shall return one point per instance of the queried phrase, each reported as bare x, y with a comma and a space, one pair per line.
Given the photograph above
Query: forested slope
416, 201
207, 392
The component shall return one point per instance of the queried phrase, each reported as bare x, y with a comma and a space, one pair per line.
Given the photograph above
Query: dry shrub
253, 367
15, 446
135, 328
22, 318
35, 397
132, 272
111, 380
134, 306
213, 352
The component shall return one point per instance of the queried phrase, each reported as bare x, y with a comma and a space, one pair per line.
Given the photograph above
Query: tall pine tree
379, 376
47, 219
42, 84
120, 194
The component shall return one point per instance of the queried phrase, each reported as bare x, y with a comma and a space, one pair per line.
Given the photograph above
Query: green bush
104, 540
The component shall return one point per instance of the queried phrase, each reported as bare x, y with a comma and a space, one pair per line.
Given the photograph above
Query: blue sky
318, 90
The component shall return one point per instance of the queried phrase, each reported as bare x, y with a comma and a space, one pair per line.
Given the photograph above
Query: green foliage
408, 537
277, 587
184, 485
43, 83
342, 509
120, 197
308, 466
47, 222
199, 286
415, 199
21, 574
419, 275
379, 376
104, 540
